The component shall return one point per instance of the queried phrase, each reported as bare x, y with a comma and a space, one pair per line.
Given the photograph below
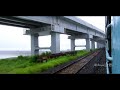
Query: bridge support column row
55, 43
87, 44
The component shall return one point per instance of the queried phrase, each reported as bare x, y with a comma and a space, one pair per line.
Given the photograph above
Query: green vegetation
46, 53
29, 65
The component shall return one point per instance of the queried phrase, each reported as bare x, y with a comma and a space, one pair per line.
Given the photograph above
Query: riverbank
28, 64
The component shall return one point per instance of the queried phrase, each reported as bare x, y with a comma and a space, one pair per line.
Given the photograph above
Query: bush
45, 53
20, 57
48, 53
34, 58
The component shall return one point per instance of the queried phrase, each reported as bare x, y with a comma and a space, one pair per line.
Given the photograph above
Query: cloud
98, 21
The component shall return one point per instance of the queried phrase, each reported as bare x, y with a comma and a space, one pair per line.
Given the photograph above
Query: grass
26, 65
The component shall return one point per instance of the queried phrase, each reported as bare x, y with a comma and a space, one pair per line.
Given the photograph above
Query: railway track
82, 65
74, 67
100, 65
96, 65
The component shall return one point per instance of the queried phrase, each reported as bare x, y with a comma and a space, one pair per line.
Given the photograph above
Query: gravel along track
100, 65
75, 67
96, 65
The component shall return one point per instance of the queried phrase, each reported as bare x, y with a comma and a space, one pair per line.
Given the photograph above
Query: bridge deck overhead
65, 24
54, 26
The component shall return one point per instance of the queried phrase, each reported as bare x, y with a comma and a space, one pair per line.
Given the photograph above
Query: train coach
112, 44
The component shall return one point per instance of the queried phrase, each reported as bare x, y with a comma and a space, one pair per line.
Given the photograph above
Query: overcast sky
12, 38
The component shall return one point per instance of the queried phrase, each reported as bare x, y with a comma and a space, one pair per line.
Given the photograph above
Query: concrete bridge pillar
98, 45
34, 44
72, 44
55, 42
88, 44
93, 44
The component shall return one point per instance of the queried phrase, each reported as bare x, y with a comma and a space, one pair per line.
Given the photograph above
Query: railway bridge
55, 25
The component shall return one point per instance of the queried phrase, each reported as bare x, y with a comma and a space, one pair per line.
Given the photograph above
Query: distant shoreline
22, 52
18, 52
14, 52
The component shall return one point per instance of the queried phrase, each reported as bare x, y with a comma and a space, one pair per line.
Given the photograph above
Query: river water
10, 54
2, 56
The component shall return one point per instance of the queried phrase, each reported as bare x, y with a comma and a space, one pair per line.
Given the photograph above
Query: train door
108, 44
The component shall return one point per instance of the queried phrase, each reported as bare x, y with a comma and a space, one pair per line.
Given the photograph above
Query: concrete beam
97, 39
44, 47
83, 36
55, 42
34, 44
80, 45
41, 31
58, 28
46, 30
78, 37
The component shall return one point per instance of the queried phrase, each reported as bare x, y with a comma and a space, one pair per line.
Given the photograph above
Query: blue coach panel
116, 45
